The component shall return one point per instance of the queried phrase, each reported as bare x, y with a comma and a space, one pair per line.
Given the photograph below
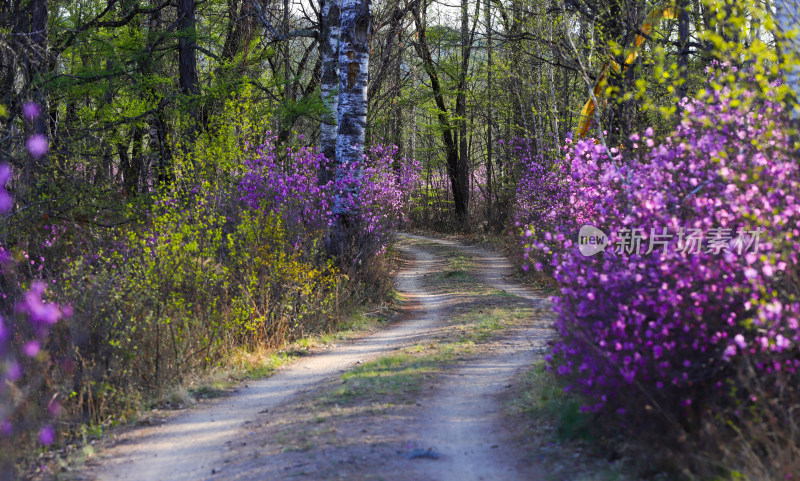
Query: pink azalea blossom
37, 145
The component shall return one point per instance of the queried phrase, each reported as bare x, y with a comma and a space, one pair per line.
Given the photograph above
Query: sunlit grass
249, 364
395, 374
459, 269
543, 396
401, 374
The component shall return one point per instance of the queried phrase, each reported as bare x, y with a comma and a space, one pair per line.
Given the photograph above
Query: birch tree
353, 75
354, 33
787, 16
329, 81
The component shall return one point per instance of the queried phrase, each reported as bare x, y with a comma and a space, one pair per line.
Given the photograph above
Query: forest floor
442, 393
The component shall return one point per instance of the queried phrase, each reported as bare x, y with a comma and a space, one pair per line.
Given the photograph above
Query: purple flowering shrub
181, 277
375, 192
287, 185
222, 260
667, 326
385, 186
226, 257
26, 322
542, 202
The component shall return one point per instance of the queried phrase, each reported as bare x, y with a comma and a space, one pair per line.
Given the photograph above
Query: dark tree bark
462, 172
37, 56
238, 35
457, 167
36, 66
288, 78
683, 47
137, 182
158, 120
489, 116
187, 60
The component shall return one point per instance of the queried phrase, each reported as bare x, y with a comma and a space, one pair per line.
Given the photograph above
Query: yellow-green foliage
283, 292
745, 35
217, 154
199, 276
741, 35
191, 292
178, 289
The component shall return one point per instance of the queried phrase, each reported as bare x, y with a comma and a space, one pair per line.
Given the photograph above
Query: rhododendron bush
26, 320
227, 256
375, 192
220, 265
542, 202
699, 273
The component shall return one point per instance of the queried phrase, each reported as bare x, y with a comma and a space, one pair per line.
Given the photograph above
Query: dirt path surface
456, 423
464, 420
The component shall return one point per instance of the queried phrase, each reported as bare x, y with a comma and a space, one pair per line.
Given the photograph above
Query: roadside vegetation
212, 278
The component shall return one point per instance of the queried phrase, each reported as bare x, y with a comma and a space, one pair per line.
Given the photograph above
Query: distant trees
455, 151
187, 53
120, 82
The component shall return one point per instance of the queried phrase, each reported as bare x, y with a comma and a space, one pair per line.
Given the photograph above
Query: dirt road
451, 428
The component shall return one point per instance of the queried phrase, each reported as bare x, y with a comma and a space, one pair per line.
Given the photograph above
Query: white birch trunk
356, 16
355, 19
329, 82
787, 17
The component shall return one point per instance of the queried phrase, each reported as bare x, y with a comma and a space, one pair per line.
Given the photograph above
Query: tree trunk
353, 75
158, 124
683, 48
37, 65
462, 173
125, 171
355, 24
787, 13
35, 62
288, 80
187, 60
329, 83
287, 55
489, 86
140, 161
239, 34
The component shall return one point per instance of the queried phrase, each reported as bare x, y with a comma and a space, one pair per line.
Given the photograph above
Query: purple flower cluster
385, 187
542, 196
24, 332
285, 181
22, 338
673, 322
287, 184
